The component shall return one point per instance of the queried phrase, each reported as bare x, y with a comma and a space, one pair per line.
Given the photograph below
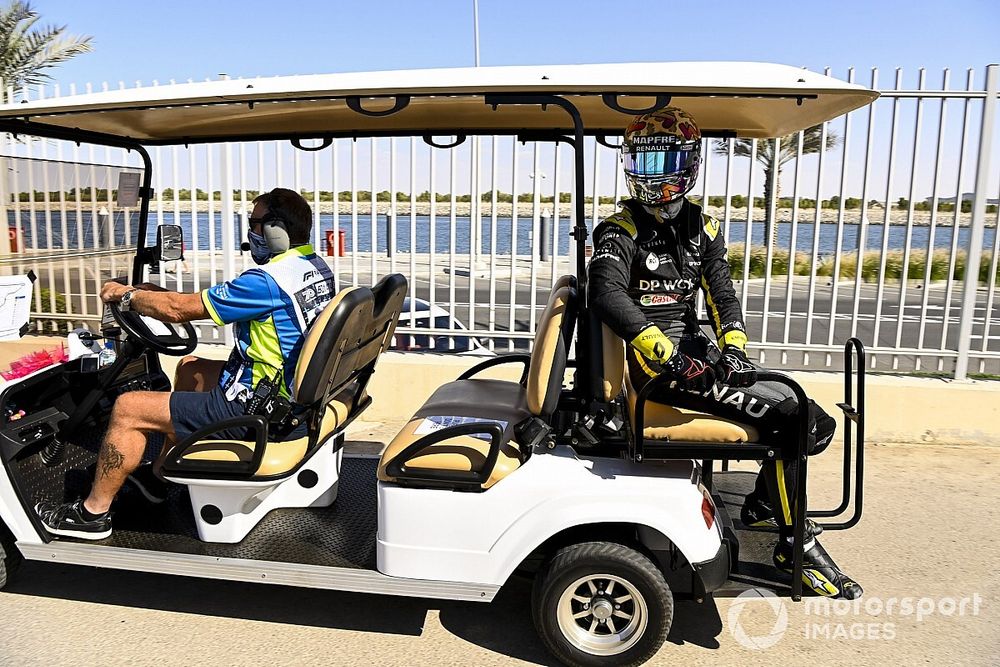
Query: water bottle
107, 355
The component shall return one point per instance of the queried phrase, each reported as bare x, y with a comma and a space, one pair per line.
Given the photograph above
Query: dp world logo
750, 601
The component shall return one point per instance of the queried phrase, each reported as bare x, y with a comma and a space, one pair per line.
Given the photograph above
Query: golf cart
569, 475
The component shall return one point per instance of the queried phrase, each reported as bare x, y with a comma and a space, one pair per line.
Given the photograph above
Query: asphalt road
929, 532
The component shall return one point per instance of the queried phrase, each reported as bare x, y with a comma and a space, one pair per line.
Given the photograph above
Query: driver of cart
270, 307
650, 260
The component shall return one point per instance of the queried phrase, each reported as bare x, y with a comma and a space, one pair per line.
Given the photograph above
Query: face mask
259, 251
667, 211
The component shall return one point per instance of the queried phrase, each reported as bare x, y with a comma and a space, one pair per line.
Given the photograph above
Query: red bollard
341, 243
12, 235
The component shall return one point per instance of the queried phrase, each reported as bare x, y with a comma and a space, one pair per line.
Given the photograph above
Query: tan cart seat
233, 484
338, 355
485, 400
492, 401
279, 457
664, 422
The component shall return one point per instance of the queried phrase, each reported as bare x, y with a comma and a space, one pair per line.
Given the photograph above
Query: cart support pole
142, 253
971, 286
586, 372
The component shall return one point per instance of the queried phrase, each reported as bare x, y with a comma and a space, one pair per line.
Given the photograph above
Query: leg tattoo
110, 459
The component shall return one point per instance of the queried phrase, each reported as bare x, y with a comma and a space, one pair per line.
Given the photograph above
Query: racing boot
819, 572
759, 513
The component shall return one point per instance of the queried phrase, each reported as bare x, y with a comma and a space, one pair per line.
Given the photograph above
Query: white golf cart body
432, 540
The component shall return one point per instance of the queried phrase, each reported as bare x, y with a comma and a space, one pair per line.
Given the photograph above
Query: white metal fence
873, 237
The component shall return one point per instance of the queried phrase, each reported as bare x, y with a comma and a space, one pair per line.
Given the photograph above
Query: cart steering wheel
170, 342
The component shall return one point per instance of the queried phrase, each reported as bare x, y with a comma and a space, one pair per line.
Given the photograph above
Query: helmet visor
654, 164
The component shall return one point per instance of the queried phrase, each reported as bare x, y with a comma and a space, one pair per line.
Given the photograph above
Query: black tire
632, 568
10, 557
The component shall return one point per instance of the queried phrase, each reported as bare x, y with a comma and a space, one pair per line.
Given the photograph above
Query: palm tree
26, 51
812, 142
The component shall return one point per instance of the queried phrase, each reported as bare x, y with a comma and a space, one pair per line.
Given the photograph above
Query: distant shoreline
875, 215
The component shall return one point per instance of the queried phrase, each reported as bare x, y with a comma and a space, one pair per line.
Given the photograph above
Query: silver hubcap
602, 614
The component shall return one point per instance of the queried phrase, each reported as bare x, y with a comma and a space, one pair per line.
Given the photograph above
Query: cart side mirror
169, 243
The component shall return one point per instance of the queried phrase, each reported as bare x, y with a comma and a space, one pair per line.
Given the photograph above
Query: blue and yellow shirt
270, 307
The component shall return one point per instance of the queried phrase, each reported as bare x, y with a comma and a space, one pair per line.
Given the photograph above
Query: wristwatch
126, 299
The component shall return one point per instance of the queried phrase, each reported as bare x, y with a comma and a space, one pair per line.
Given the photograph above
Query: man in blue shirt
270, 307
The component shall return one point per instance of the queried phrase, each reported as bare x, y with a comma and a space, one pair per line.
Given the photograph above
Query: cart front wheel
600, 603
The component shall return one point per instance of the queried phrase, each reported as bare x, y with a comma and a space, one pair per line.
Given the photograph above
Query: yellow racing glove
664, 357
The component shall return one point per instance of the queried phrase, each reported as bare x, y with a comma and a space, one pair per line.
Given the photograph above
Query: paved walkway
929, 531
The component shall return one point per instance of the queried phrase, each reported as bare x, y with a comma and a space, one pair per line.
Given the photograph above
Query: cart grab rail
465, 479
514, 357
173, 463
637, 443
854, 349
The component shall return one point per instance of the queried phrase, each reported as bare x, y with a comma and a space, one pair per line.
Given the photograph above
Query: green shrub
757, 261
870, 265
848, 267
779, 262
984, 270
939, 265
45, 296
736, 260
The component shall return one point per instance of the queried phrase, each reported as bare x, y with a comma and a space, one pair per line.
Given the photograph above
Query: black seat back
389, 294
345, 341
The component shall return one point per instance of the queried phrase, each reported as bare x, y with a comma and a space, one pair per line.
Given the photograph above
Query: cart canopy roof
726, 98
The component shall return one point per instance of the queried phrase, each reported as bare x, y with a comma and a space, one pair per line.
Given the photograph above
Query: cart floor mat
755, 569
342, 535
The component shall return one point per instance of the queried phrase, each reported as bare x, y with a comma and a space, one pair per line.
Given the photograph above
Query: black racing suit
644, 272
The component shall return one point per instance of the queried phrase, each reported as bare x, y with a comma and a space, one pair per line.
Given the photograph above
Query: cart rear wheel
600, 603
10, 557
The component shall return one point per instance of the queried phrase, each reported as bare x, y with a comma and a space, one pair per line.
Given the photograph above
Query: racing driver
650, 259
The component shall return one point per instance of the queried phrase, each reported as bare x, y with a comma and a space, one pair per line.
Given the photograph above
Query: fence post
390, 234
105, 225
978, 222
475, 207
544, 235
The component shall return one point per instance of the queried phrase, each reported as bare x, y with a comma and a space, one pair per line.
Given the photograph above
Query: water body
46, 231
